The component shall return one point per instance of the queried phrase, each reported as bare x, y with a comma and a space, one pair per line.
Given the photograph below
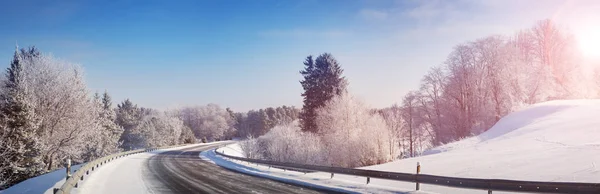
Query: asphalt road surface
182, 171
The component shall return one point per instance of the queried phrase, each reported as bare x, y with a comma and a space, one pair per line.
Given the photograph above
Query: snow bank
232, 150
41, 184
321, 181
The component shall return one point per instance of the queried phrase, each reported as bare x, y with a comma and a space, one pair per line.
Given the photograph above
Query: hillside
551, 141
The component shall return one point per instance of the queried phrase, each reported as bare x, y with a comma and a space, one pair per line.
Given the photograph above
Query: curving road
179, 170
182, 171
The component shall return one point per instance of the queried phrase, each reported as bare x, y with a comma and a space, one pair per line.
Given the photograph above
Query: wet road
182, 171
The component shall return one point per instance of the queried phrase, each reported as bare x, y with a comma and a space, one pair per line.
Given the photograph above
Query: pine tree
322, 81
19, 125
128, 117
110, 132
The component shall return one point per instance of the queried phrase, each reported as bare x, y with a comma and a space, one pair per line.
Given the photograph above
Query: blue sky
247, 54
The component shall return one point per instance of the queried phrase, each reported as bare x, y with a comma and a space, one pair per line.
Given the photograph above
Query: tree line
479, 82
48, 115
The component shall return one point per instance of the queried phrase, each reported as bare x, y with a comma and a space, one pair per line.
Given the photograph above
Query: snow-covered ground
41, 184
313, 180
551, 141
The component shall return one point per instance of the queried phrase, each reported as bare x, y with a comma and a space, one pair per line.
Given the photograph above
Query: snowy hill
551, 141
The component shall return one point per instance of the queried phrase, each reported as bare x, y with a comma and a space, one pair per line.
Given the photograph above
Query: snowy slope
41, 184
551, 141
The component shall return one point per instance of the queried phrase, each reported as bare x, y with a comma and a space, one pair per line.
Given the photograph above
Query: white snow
313, 180
551, 141
41, 184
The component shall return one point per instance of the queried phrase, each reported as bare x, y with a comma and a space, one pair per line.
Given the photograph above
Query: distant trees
322, 81
129, 116
211, 121
258, 122
144, 127
104, 141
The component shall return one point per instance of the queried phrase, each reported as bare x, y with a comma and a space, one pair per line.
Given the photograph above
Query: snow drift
550, 141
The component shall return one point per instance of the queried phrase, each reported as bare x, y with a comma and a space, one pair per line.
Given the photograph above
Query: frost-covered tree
105, 140
128, 116
210, 121
63, 106
322, 81
256, 123
159, 129
353, 135
20, 148
392, 117
187, 136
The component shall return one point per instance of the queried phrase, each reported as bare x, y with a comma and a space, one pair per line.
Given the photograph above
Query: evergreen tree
106, 101
110, 131
322, 81
128, 117
19, 125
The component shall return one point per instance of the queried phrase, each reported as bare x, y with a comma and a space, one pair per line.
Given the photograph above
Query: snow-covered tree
20, 148
353, 135
128, 116
63, 106
104, 140
210, 121
322, 81
160, 129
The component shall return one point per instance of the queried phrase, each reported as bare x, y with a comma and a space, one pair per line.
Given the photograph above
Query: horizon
162, 55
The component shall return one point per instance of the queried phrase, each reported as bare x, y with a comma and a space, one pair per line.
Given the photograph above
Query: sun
589, 42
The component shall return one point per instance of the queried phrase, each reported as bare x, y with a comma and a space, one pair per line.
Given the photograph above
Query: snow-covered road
177, 170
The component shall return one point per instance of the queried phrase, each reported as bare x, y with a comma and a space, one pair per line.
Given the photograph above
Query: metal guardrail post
417, 176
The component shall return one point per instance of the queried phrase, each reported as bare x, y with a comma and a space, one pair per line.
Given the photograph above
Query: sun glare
589, 42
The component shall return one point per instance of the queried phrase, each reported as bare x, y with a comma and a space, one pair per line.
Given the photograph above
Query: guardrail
73, 181
466, 183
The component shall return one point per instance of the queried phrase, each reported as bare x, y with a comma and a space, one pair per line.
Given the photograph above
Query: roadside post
68, 168
418, 171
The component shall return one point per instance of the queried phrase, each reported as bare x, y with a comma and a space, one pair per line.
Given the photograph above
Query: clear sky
246, 54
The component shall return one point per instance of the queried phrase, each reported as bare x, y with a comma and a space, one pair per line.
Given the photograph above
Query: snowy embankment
551, 141
321, 181
46, 182
41, 184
